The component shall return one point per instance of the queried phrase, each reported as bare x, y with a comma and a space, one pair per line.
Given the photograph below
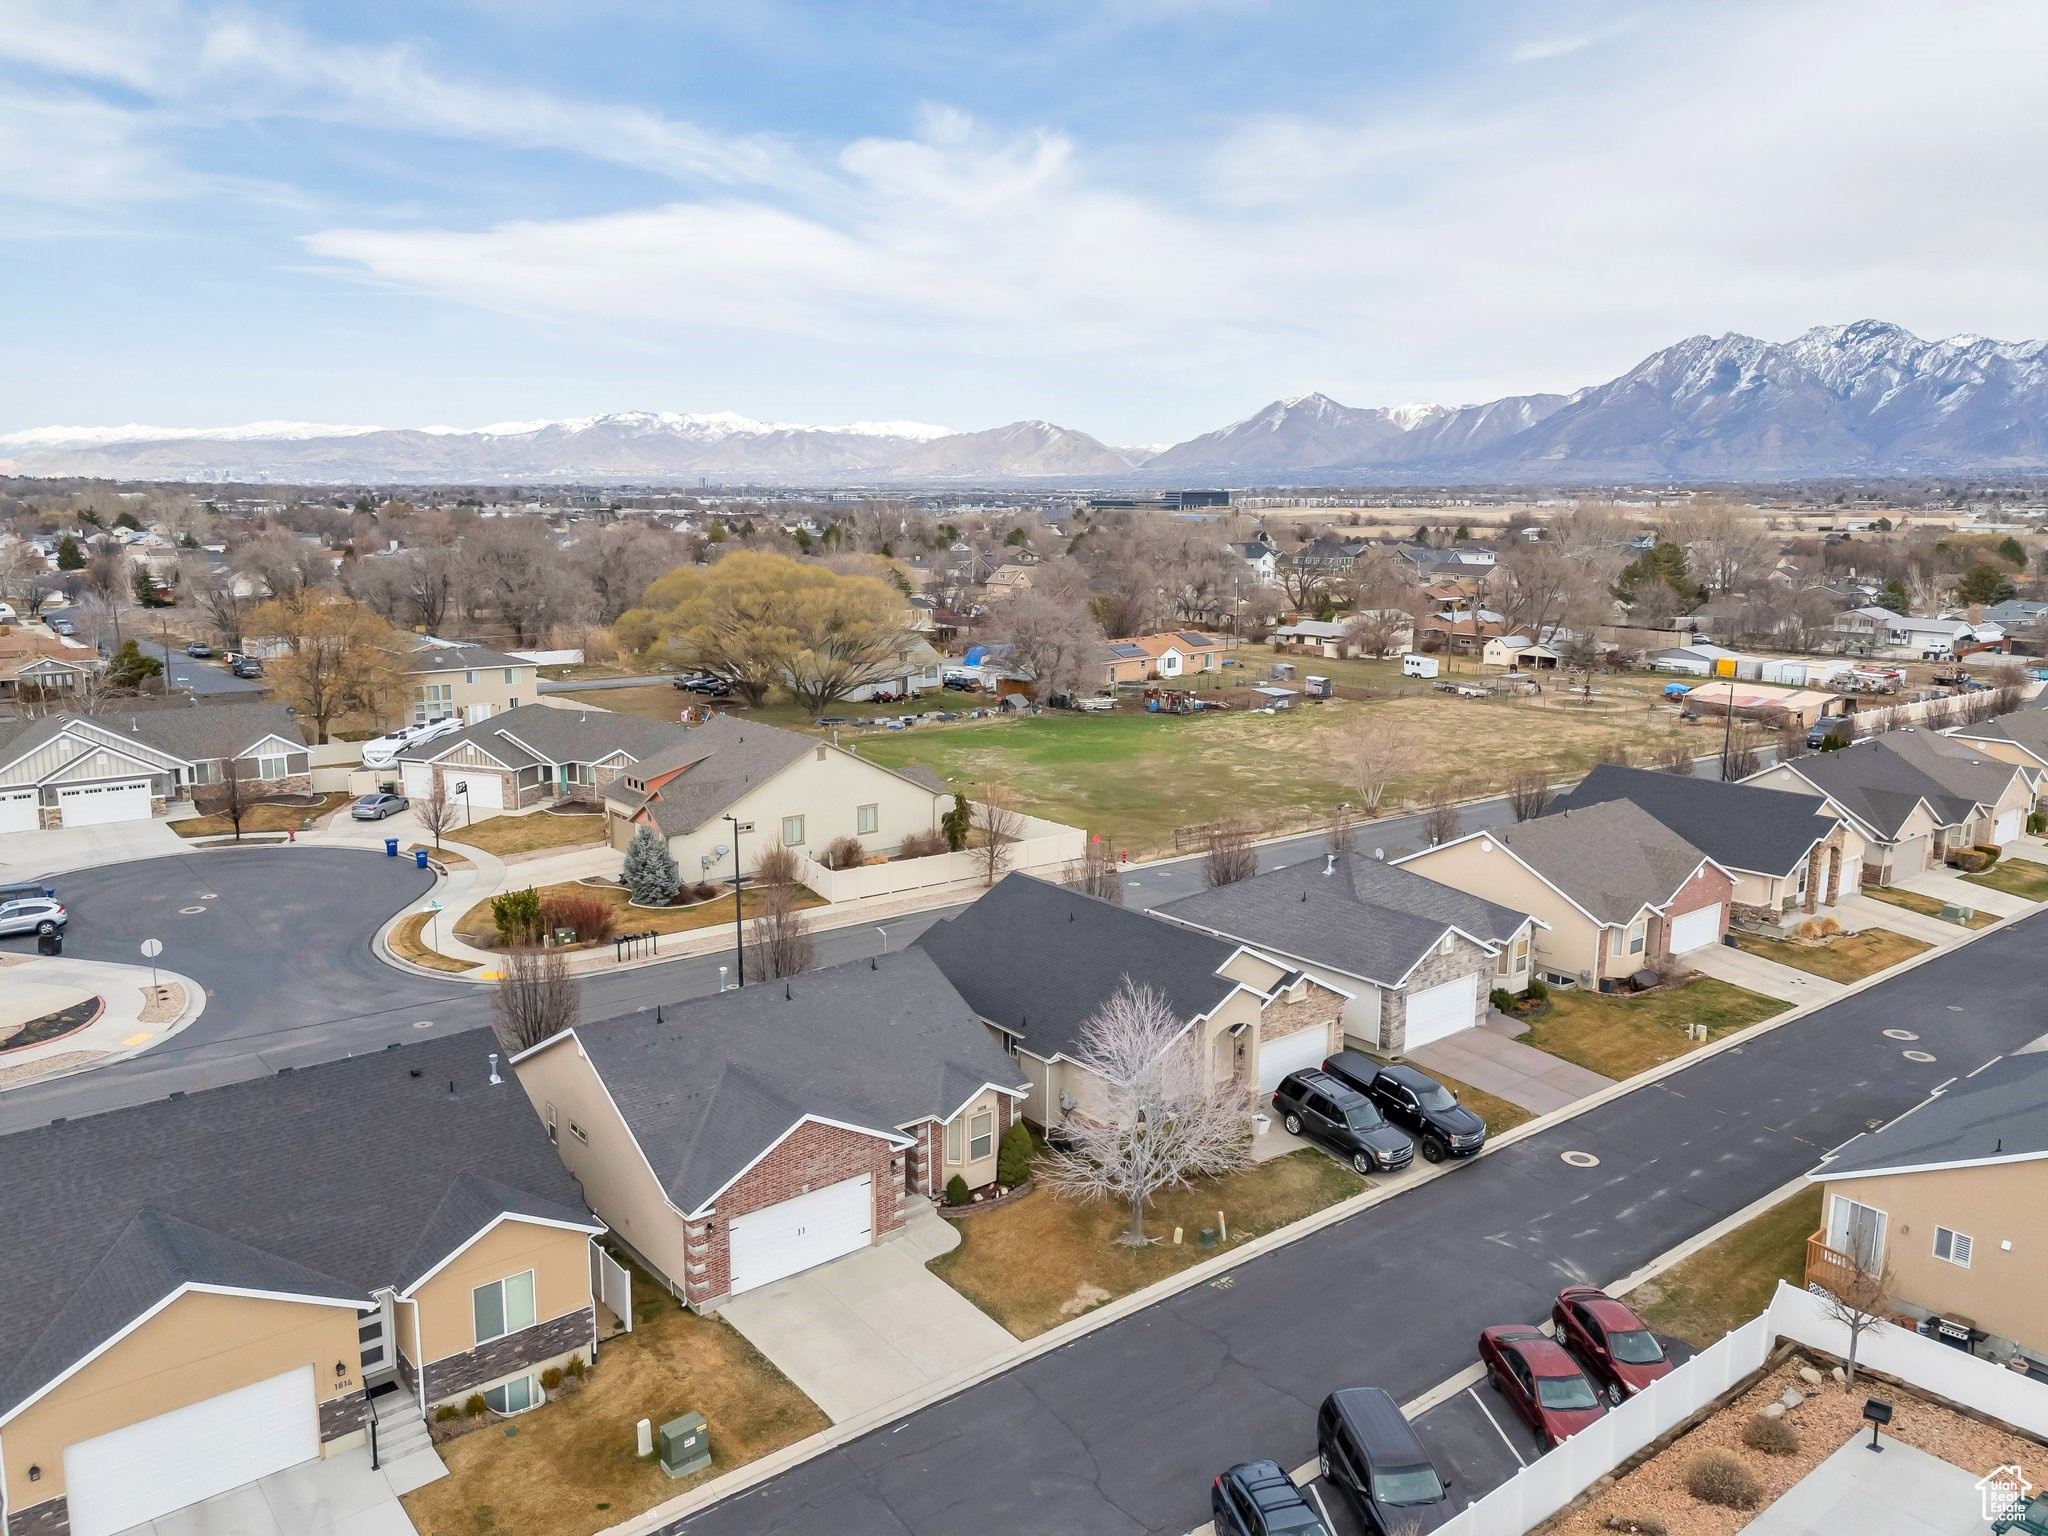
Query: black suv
1369, 1450
1318, 1106
1415, 1100
1255, 1498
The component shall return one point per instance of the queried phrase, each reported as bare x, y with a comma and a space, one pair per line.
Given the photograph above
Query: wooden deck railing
1826, 1266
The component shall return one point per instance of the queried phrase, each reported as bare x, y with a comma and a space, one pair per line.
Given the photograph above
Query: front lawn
535, 830
407, 943
476, 926
1731, 1280
268, 816
1846, 957
1047, 1258
1618, 1035
569, 1469
2016, 877
1926, 906
1496, 1111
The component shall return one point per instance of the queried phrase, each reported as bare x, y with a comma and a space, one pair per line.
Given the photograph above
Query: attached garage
1442, 1010
1291, 1053
486, 789
2007, 828
18, 810
794, 1235
119, 1480
94, 805
1696, 929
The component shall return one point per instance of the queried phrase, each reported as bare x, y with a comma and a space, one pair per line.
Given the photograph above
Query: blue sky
1142, 218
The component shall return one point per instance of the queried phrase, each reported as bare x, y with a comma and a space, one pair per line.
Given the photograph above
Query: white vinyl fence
1042, 848
1554, 1480
613, 1283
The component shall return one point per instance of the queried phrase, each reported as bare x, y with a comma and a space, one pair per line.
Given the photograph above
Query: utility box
685, 1445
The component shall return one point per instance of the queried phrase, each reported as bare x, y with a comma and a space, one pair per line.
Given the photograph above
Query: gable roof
1350, 912
1611, 859
720, 760
546, 733
1999, 1113
258, 1185
456, 658
1738, 826
1880, 779
196, 733
2026, 729
718, 1081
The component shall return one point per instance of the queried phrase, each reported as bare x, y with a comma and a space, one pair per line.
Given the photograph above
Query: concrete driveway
1492, 1060
339, 1496
868, 1328
1784, 982
25, 854
1944, 886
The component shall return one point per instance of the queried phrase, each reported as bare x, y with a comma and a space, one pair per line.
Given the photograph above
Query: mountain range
1862, 399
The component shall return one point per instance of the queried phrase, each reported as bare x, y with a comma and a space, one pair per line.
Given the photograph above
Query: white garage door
93, 805
18, 810
797, 1234
1439, 1011
484, 791
418, 779
192, 1453
1696, 930
2006, 828
1291, 1053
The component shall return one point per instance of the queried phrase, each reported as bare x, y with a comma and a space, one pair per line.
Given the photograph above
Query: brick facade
530, 1348
52, 1517
1464, 959
810, 1158
341, 1416
1705, 889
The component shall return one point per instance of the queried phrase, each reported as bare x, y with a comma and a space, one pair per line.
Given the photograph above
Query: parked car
1542, 1381
702, 682
377, 807
199, 648
1256, 1498
63, 627
32, 914
1414, 1100
28, 891
246, 666
1833, 726
1616, 1347
381, 752
1368, 1448
1316, 1105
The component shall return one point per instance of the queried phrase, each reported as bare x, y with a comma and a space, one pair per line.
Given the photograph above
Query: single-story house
2020, 738
1910, 634
472, 682
1036, 961
917, 669
785, 789
35, 665
85, 771
1519, 653
536, 753
1332, 638
1617, 890
1952, 1199
732, 1140
1786, 852
1417, 960
212, 1287
1176, 654
1461, 631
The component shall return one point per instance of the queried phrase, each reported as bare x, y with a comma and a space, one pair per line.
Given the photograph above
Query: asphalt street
188, 674
1121, 1431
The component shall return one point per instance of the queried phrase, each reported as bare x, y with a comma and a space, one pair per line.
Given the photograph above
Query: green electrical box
685, 1445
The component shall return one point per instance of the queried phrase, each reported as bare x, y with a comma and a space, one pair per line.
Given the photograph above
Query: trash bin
390, 847
50, 943
419, 858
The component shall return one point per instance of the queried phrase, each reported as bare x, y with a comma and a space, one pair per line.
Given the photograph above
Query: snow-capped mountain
1867, 398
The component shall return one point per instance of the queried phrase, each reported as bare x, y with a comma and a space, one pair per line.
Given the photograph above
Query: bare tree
1742, 759
437, 810
1439, 815
1616, 752
1528, 793
232, 793
1376, 751
997, 820
1161, 1125
1096, 872
1860, 1299
1053, 635
534, 1000
1229, 856
779, 941
1376, 632
1343, 835
1676, 760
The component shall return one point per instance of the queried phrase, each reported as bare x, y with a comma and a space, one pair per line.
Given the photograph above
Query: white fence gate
613, 1283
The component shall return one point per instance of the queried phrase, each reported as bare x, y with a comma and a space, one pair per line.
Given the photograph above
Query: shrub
575, 1366
1968, 860
474, 1406
1828, 928
1774, 1437
845, 853
957, 1192
957, 823
1536, 992
1501, 999
446, 1412
516, 915
922, 845
703, 890
592, 917
1719, 1478
2037, 823
1990, 852
551, 1378
1013, 1156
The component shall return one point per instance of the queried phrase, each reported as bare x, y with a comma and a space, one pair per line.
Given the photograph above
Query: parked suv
1255, 1498
31, 914
1833, 725
1316, 1105
1414, 1100
1368, 1449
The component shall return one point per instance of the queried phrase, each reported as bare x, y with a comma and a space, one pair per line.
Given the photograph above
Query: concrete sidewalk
1860, 912
131, 1021
1786, 983
1945, 885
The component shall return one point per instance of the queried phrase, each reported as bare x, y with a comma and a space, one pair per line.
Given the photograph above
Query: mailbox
685, 1445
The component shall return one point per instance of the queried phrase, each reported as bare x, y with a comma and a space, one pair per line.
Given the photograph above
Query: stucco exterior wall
1478, 866
559, 1259
490, 689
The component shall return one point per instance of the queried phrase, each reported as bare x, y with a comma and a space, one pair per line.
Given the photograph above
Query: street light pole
1728, 732
739, 941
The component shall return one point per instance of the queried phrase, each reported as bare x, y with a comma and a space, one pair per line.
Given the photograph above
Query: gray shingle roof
1039, 960
339, 1175
1613, 859
879, 1044
450, 658
1364, 918
721, 759
1739, 826
198, 733
1880, 779
2025, 728
2001, 1111
543, 733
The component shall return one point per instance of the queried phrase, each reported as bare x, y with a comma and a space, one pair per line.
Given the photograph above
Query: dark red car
1620, 1351
1543, 1382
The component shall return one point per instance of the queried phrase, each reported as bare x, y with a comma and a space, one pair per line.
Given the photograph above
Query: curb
756, 1472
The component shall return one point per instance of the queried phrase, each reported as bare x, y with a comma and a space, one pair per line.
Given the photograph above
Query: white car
384, 750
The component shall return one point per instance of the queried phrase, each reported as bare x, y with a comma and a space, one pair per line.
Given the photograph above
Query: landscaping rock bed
53, 1026
985, 1202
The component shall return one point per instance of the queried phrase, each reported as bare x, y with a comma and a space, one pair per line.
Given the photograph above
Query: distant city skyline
1139, 218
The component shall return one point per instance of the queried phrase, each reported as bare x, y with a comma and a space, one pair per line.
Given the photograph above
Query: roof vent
787, 995
1329, 865
451, 1087
495, 1079
412, 1071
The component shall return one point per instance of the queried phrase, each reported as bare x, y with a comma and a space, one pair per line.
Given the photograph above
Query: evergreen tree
1894, 597
69, 556
957, 823
650, 871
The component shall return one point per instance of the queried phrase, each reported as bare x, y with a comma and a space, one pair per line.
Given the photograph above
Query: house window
432, 701
1952, 1247
952, 1143
868, 819
471, 675
514, 1396
579, 1133
792, 830
502, 1307
270, 767
509, 677
1858, 1231
550, 1118
1636, 931
981, 1134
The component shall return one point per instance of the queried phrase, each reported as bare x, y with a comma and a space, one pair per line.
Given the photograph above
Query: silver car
32, 914
377, 807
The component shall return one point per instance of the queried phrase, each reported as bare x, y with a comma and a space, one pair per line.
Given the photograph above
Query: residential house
2020, 738
535, 753
209, 1288
1786, 853
1036, 961
1465, 633
1330, 556
81, 771
1430, 564
1951, 1200
1914, 795
1520, 653
1167, 657
1616, 890
1008, 579
470, 682
733, 1140
2016, 614
1908, 635
35, 665
1261, 560
1329, 638
917, 668
783, 789
1416, 960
